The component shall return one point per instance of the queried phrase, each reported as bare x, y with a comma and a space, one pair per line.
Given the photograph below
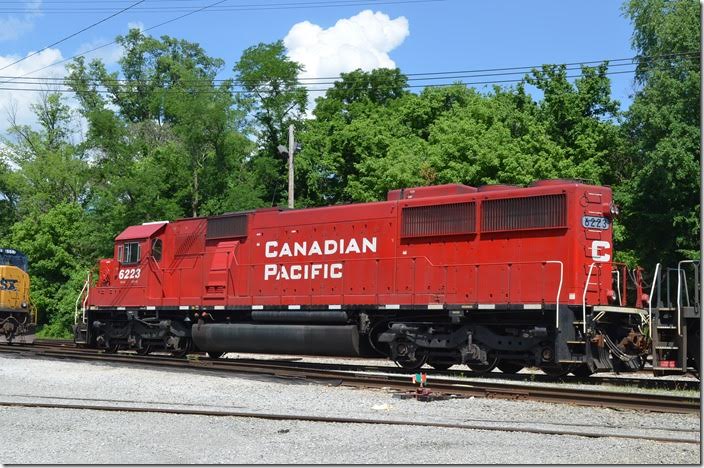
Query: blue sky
436, 36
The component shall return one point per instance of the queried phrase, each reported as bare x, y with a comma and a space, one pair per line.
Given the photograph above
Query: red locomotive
490, 276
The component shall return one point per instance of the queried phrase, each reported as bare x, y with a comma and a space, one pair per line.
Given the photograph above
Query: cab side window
129, 252
156, 249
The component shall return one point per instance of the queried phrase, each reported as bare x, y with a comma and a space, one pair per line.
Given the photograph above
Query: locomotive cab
138, 253
17, 315
132, 278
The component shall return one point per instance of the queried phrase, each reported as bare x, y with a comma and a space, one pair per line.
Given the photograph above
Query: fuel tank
327, 340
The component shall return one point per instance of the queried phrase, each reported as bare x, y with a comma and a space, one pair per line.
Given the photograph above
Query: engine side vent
541, 212
439, 220
189, 237
227, 226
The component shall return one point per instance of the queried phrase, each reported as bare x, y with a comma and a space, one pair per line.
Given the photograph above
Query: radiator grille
439, 220
541, 212
234, 225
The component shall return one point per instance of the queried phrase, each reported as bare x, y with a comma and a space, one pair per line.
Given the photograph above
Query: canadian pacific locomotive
17, 316
495, 276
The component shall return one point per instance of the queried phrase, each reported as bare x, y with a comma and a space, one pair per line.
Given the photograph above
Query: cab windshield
13, 258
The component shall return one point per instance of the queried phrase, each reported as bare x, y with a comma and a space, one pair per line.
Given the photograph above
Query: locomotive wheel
558, 370
214, 354
144, 350
413, 364
184, 349
581, 370
112, 349
509, 367
492, 361
441, 365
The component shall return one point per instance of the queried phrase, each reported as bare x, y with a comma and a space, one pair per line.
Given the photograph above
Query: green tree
356, 119
661, 198
58, 245
581, 118
275, 100
50, 169
370, 135
175, 134
8, 201
51, 187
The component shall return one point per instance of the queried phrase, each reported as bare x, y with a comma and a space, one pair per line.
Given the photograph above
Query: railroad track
586, 430
459, 388
644, 383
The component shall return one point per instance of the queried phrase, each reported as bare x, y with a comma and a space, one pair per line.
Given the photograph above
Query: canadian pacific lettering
304, 271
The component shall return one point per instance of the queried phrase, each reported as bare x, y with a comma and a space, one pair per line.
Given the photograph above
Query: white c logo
596, 256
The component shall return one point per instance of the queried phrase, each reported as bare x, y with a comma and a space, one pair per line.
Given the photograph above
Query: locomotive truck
17, 316
495, 276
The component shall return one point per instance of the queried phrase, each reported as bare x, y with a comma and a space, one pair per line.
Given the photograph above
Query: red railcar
450, 274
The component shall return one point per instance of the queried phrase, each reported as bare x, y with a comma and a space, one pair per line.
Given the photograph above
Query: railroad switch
421, 393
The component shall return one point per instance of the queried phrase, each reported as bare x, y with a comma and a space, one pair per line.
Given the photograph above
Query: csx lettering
130, 273
8, 284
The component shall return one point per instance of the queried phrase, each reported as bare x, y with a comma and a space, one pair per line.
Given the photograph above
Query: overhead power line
113, 42
225, 8
215, 91
215, 4
411, 77
72, 35
207, 83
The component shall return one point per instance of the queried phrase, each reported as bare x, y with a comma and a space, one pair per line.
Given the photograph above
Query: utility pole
291, 148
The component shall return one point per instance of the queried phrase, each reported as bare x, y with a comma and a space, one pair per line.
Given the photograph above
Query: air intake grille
541, 212
234, 225
438, 220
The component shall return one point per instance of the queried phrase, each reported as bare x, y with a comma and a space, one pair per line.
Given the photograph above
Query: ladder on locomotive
671, 309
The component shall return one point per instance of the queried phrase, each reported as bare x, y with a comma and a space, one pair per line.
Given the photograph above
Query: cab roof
143, 231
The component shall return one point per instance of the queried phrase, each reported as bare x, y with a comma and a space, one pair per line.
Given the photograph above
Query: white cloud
17, 101
362, 41
12, 26
109, 54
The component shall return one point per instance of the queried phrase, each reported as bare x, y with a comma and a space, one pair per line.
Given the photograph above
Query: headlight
614, 209
24, 305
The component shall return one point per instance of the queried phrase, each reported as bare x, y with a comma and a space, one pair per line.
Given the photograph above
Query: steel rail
650, 383
467, 388
594, 380
341, 420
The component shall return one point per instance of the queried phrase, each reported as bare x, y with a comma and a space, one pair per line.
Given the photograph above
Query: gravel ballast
87, 436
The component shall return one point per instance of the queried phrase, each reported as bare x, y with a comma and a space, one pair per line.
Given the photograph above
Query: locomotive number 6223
129, 273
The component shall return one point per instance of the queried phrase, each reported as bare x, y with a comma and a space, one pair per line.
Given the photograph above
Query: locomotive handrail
650, 301
679, 293
618, 285
559, 290
85, 299
584, 298
86, 285
622, 298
